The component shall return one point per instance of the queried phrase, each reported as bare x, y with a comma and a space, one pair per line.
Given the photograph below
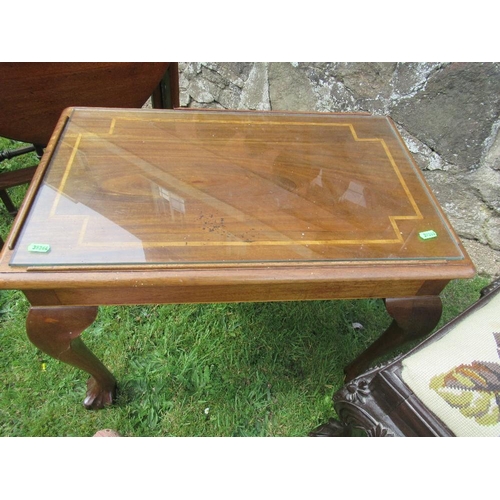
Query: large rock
289, 88
455, 113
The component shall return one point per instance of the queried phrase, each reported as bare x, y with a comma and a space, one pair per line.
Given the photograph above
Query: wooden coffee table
148, 207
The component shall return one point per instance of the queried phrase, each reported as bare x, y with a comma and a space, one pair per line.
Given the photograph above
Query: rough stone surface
455, 112
492, 156
255, 94
457, 205
289, 88
447, 113
486, 260
486, 183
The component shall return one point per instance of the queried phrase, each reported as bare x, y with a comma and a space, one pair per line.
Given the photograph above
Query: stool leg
4, 196
413, 318
56, 331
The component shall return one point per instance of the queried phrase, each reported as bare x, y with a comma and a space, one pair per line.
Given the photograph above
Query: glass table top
137, 187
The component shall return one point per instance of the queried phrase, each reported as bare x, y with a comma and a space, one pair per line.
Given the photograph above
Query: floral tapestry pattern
473, 388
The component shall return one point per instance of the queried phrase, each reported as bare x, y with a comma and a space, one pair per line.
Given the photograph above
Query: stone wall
448, 114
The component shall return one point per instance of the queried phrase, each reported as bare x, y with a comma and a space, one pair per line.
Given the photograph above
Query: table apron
269, 292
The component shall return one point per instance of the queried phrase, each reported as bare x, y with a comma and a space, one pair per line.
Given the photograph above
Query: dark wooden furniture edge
381, 404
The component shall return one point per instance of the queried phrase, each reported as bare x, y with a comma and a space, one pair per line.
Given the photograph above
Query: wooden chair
449, 385
33, 96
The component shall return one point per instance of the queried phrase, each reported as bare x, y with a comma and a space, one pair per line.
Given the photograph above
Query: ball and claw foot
97, 397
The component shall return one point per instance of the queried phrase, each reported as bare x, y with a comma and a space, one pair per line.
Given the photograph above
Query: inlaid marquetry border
287, 242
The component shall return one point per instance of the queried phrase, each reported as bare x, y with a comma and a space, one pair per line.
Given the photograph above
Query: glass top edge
233, 264
277, 183
235, 112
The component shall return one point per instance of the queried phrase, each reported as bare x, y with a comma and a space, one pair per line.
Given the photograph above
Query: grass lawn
250, 369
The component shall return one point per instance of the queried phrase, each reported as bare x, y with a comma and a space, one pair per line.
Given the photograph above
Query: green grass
250, 369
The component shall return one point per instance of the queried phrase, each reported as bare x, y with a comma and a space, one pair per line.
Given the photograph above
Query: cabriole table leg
56, 331
413, 318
